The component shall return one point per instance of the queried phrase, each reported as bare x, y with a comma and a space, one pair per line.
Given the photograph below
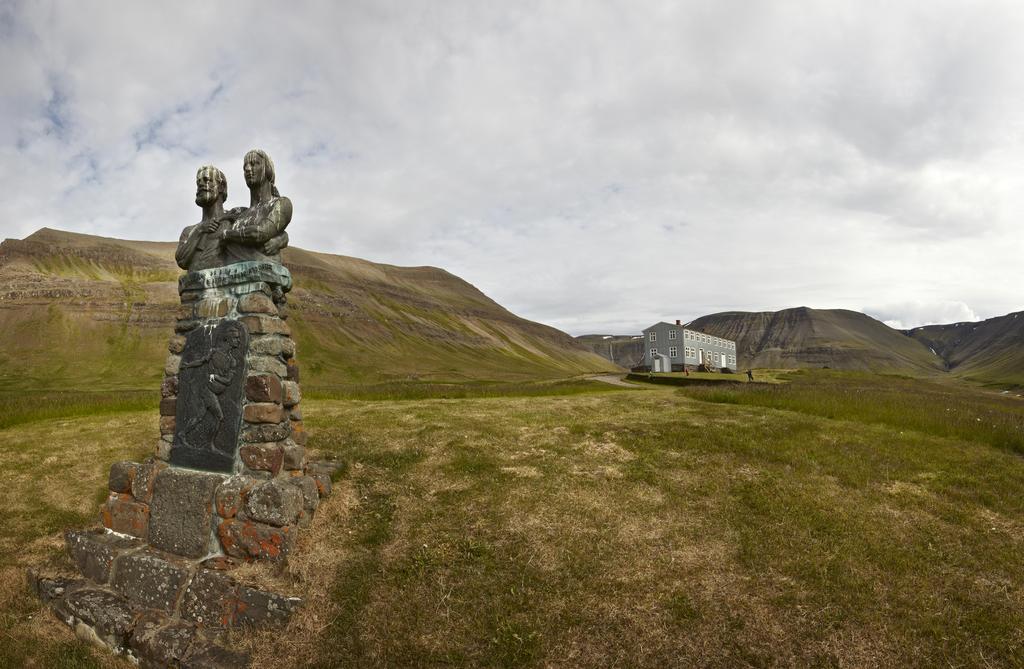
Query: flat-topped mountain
804, 337
77, 308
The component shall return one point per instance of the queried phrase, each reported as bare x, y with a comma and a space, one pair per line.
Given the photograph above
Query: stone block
326, 466
145, 476
266, 432
256, 303
210, 600
310, 492
263, 388
298, 432
295, 413
205, 654
168, 406
182, 512
294, 455
292, 394
97, 614
263, 457
48, 589
163, 450
259, 608
231, 495
266, 345
264, 412
255, 541
274, 502
172, 365
263, 324
186, 326
288, 347
176, 344
159, 641
213, 307
221, 563
121, 475
323, 484
270, 364
121, 513
167, 425
293, 370
169, 387
94, 551
149, 580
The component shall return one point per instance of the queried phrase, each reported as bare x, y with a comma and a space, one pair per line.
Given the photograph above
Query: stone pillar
234, 318
230, 476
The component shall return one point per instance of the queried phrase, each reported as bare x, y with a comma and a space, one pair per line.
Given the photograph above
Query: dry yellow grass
618, 529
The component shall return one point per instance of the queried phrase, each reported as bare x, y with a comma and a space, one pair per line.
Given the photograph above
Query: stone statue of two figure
253, 233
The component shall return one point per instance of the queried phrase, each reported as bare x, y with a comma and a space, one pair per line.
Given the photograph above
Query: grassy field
614, 528
938, 408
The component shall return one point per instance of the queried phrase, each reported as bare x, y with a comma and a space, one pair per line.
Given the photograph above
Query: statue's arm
187, 245
197, 362
264, 228
274, 245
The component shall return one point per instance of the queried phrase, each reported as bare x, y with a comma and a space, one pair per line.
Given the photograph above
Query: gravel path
614, 379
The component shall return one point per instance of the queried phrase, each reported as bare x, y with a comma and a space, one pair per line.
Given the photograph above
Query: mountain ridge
79, 309
990, 351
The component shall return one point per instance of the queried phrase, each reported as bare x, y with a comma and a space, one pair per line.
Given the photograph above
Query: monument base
156, 585
229, 484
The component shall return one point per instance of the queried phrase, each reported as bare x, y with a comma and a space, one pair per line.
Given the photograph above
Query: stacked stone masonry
156, 583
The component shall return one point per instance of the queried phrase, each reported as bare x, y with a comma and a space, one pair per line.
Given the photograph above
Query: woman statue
257, 232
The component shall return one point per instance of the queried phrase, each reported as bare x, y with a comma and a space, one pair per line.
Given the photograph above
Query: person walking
750, 375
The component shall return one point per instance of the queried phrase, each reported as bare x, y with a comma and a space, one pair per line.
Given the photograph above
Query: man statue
199, 247
257, 232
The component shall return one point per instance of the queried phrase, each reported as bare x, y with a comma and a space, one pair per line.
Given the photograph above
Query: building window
716, 357
654, 336
732, 360
654, 352
673, 352
671, 334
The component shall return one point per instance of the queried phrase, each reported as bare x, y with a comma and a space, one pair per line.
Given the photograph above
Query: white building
669, 347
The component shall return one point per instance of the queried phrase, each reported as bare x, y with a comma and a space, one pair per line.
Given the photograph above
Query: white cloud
907, 315
596, 166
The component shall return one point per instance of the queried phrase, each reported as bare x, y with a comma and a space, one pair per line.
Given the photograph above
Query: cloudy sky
594, 165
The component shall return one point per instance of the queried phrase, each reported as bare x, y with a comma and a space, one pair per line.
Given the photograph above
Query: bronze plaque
211, 380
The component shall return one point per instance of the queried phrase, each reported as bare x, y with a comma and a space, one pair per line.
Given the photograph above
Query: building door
700, 356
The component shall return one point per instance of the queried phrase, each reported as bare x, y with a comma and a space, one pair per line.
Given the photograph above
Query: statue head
258, 168
210, 185
230, 334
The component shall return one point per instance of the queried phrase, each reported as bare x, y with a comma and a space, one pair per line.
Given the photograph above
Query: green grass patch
411, 390
940, 409
28, 406
601, 529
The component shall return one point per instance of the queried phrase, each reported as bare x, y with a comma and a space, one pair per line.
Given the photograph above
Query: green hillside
85, 312
990, 351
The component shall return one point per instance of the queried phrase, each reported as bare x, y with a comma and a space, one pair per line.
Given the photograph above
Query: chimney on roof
678, 322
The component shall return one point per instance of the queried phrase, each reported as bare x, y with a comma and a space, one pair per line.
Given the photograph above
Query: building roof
683, 327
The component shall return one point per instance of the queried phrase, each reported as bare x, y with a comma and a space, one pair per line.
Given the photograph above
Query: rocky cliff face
990, 350
77, 308
626, 351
